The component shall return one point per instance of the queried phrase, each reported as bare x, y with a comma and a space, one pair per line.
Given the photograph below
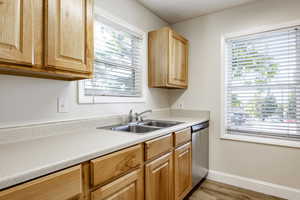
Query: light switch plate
62, 105
179, 105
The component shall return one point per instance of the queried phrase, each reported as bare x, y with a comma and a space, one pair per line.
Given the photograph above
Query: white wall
278, 165
26, 100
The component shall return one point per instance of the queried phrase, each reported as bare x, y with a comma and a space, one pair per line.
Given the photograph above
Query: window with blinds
117, 64
263, 84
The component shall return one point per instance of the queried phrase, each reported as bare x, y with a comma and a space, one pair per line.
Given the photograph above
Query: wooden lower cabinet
165, 174
158, 146
115, 164
182, 171
159, 178
128, 187
182, 137
63, 185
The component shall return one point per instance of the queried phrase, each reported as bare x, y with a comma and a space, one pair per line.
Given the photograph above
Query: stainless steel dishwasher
200, 151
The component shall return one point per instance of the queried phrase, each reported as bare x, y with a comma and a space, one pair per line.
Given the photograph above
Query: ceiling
173, 11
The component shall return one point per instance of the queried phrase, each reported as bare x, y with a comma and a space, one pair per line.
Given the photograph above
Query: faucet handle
141, 118
136, 115
130, 116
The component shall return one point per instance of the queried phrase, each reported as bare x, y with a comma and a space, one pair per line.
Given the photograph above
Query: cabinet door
128, 187
183, 171
159, 178
16, 32
178, 67
69, 30
63, 185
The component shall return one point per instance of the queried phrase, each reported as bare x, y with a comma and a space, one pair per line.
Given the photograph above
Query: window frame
110, 19
247, 138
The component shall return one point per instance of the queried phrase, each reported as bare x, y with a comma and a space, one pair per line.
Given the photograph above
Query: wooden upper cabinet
68, 35
178, 67
16, 32
47, 38
159, 178
168, 59
183, 171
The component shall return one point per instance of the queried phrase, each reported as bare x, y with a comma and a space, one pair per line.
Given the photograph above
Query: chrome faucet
139, 116
130, 116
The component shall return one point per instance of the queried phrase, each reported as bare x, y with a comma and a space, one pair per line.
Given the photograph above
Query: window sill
261, 140
82, 99
108, 99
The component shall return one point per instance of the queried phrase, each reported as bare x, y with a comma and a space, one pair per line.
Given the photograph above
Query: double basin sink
142, 127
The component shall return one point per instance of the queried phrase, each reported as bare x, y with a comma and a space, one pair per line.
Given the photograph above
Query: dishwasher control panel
201, 126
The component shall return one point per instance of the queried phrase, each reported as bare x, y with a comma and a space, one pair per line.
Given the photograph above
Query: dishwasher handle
200, 126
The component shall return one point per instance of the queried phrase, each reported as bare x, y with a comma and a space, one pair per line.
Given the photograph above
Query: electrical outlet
180, 105
62, 105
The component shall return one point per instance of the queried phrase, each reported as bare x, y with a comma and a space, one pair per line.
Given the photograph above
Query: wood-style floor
210, 190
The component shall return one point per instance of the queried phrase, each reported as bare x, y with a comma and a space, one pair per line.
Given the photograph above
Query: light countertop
25, 160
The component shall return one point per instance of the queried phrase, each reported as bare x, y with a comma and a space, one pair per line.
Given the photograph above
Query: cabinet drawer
62, 185
128, 187
115, 164
183, 136
158, 146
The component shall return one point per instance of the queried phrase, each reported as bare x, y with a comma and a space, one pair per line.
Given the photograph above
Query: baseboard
255, 185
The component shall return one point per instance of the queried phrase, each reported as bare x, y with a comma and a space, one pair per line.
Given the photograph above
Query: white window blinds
263, 84
117, 70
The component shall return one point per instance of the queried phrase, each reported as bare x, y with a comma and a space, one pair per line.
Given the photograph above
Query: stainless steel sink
158, 123
135, 128
141, 127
